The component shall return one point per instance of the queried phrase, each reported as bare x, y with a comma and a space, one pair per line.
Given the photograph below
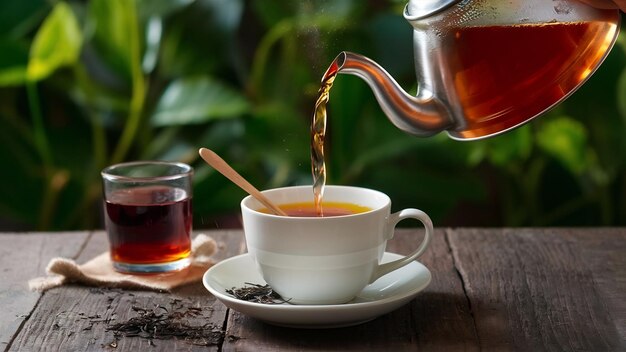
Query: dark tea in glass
148, 216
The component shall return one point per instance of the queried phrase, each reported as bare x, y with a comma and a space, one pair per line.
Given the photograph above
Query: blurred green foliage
84, 84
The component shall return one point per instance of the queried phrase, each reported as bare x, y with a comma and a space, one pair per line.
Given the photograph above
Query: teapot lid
417, 9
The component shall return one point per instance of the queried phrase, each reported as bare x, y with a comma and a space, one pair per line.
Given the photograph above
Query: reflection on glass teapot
486, 66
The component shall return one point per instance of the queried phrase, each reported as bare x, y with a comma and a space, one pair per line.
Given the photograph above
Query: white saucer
384, 295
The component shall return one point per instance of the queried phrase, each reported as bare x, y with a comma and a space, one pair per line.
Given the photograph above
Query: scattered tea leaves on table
154, 324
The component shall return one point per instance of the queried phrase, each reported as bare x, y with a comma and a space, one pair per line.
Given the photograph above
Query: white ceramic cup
325, 260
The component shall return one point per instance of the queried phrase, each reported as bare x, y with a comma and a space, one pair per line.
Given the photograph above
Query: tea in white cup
309, 259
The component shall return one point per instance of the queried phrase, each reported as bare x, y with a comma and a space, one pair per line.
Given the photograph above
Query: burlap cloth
99, 271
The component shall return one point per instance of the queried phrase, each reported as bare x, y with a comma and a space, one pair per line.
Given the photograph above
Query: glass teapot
486, 66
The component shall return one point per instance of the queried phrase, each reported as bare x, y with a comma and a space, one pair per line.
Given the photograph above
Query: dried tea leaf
256, 293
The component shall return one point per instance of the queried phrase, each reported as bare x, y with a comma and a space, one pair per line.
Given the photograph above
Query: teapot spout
423, 115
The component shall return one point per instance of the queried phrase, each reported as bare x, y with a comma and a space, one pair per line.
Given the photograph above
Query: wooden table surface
492, 289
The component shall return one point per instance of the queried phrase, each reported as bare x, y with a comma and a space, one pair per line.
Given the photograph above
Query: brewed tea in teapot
532, 67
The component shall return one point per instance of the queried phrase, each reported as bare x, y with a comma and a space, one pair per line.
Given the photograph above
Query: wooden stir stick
220, 165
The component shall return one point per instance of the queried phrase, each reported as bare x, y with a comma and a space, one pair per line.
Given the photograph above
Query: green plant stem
531, 185
144, 136
138, 95
99, 143
131, 126
262, 53
621, 41
54, 181
54, 186
39, 132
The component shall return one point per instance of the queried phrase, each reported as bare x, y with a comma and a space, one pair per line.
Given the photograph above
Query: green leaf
225, 14
19, 17
273, 11
510, 146
111, 22
161, 8
196, 100
565, 140
13, 63
56, 44
621, 94
223, 135
326, 14
201, 38
153, 36
216, 193
289, 153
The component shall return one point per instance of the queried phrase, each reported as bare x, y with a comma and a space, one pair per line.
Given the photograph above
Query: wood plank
24, 256
534, 290
605, 254
437, 319
442, 316
72, 318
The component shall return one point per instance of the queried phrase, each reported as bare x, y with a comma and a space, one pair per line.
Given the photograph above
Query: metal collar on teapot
417, 9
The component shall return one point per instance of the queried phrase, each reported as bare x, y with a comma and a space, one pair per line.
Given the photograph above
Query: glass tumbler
148, 215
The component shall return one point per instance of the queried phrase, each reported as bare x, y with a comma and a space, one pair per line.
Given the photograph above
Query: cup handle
394, 219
